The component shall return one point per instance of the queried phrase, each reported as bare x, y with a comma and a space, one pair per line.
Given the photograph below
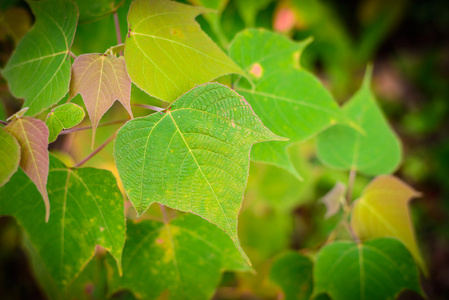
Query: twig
352, 175
67, 131
72, 54
155, 108
3, 122
117, 30
164, 213
95, 151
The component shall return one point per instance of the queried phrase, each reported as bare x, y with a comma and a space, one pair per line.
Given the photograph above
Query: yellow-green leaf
100, 79
166, 51
382, 211
63, 117
32, 135
9, 156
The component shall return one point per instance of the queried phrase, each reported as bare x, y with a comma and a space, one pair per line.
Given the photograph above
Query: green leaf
87, 210
9, 156
166, 51
100, 79
249, 9
63, 117
93, 10
293, 272
39, 69
179, 260
376, 269
193, 157
375, 151
32, 135
382, 211
290, 101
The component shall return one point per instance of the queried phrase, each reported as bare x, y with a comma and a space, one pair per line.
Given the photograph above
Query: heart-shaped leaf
32, 135
375, 151
63, 117
100, 79
9, 156
39, 69
382, 211
290, 101
193, 157
376, 269
87, 210
166, 51
181, 260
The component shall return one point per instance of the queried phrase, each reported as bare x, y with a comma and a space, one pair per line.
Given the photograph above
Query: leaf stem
117, 30
87, 158
352, 175
72, 54
164, 213
155, 108
347, 224
3, 122
67, 131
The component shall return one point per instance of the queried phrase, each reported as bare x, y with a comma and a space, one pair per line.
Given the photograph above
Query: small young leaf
32, 135
100, 79
39, 69
333, 199
294, 273
9, 156
290, 101
166, 51
376, 269
193, 157
87, 210
63, 117
375, 151
182, 259
382, 211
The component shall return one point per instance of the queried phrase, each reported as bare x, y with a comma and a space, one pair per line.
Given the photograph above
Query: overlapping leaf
382, 211
193, 157
375, 151
376, 269
32, 135
180, 260
87, 209
294, 273
166, 51
39, 69
100, 79
63, 117
9, 156
93, 10
289, 100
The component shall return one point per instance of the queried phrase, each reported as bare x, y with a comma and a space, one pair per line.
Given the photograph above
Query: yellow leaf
382, 211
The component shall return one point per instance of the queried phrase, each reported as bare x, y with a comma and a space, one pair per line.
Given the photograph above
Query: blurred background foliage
408, 43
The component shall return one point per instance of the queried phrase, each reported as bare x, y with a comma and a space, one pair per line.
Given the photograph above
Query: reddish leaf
32, 135
100, 79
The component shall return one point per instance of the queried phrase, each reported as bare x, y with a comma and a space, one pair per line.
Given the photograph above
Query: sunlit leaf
9, 156
376, 269
32, 135
166, 51
333, 199
100, 79
87, 209
382, 211
293, 272
63, 117
39, 69
375, 151
193, 157
290, 101
181, 260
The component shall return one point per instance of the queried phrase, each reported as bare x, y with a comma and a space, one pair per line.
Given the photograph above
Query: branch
155, 108
72, 54
3, 122
87, 158
67, 131
117, 30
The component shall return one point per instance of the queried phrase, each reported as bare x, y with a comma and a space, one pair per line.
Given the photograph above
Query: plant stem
95, 151
67, 131
72, 54
155, 108
117, 30
351, 180
352, 175
164, 213
3, 122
